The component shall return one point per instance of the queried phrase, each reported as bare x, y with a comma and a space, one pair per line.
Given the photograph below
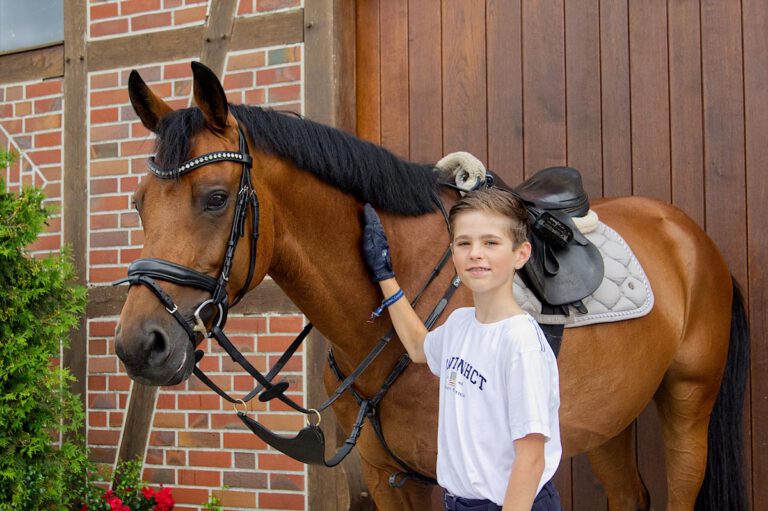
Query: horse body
309, 243
614, 369
318, 268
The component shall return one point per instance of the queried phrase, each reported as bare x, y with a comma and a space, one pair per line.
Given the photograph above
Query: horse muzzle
153, 356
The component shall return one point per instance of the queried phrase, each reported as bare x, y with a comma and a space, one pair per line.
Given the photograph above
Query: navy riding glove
376, 246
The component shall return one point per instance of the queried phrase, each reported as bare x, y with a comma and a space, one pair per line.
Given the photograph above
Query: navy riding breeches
547, 500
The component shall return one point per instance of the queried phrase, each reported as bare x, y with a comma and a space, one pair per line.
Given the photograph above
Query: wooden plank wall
663, 99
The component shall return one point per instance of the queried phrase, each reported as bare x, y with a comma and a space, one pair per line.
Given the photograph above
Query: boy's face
484, 253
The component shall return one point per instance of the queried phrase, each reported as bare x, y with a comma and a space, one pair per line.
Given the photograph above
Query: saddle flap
561, 275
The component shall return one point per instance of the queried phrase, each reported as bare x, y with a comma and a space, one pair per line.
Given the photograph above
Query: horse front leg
412, 496
614, 463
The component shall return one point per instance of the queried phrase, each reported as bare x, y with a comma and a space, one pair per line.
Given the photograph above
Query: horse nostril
156, 346
119, 348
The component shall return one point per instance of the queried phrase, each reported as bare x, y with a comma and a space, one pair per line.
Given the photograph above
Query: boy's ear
522, 254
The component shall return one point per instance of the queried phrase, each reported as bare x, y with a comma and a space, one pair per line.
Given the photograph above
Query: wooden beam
141, 49
218, 35
138, 422
269, 30
329, 85
268, 298
138, 419
252, 32
75, 177
46, 62
329, 63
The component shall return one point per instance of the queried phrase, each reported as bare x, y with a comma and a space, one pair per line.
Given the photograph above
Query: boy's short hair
495, 200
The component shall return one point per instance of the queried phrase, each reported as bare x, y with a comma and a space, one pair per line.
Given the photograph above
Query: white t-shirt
498, 383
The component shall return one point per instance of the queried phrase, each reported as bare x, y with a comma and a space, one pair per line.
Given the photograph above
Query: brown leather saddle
565, 267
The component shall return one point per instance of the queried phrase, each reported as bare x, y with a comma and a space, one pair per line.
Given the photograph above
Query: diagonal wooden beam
218, 35
141, 405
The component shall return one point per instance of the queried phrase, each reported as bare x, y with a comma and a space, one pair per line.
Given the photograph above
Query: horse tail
723, 486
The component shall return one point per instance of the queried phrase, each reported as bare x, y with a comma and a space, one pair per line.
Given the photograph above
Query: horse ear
210, 97
146, 104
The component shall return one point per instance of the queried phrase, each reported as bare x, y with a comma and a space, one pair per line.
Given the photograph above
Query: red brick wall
197, 444
120, 17
31, 127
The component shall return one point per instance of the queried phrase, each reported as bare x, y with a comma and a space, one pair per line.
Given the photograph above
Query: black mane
367, 171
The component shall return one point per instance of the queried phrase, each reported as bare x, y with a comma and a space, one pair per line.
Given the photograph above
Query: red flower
116, 504
164, 500
148, 493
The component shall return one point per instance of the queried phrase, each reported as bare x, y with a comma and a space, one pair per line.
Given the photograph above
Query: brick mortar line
129, 33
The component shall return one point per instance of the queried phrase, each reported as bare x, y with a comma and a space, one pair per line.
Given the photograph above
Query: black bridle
308, 446
144, 271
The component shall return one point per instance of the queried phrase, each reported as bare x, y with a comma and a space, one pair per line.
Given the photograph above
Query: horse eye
216, 200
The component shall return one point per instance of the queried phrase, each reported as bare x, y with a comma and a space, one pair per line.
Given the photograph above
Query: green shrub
42, 459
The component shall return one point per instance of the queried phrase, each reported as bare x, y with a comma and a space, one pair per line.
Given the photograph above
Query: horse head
302, 195
188, 219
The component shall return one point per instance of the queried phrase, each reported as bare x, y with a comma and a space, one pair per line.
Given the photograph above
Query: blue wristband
386, 303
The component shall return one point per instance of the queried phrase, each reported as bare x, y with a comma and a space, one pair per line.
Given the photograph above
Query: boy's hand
376, 246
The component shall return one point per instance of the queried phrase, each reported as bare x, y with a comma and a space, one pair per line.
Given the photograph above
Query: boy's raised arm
407, 323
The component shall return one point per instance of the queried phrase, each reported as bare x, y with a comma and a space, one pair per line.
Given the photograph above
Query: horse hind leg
684, 416
685, 401
614, 463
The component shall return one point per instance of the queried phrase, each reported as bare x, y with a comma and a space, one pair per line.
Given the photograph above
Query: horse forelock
174, 136
367, 171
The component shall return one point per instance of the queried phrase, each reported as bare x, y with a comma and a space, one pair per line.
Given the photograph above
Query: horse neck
317, 258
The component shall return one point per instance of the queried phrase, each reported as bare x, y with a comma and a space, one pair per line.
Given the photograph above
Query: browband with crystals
205, 159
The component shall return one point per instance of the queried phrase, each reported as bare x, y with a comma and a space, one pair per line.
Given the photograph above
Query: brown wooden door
654, 98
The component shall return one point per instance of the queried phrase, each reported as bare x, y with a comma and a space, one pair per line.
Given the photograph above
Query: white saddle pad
625, 292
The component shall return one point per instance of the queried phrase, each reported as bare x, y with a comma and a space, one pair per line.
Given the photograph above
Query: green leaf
39, 306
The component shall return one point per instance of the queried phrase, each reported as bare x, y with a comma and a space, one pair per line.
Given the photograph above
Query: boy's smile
484, 253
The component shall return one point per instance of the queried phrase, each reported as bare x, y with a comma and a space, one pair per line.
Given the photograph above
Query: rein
308, 446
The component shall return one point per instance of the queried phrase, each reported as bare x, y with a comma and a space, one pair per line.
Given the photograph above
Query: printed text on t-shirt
464, 368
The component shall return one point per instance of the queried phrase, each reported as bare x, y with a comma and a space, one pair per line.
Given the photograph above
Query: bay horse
311, 182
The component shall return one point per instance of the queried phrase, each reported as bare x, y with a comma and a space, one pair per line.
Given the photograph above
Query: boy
498, 429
